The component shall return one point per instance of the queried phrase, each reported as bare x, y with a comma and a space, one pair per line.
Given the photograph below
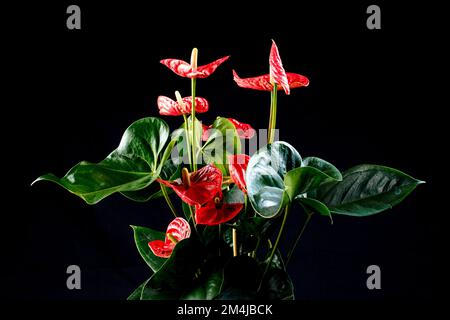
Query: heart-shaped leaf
132, 166
314, 206
142, 236
324, 166
265, 177
178, 272
137, 293
223, 140
366, 190
207, 290
313, 172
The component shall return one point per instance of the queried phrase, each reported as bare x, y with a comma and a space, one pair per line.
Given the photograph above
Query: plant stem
235, 253
188, 144
169, 202
194, 155
193, 218
273, 114
277, 241
291, 250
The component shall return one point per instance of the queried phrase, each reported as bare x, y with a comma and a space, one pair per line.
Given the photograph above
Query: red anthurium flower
277, 73
285, 80
169, 107
237, 165
177, 230
198, 187
217, 211
184, 69
244, 130
263, 82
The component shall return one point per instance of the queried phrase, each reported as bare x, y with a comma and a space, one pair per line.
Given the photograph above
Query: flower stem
291, 250
235, 252
194, 156
275, 246
273, 114
169, 202
188, 144
193, 218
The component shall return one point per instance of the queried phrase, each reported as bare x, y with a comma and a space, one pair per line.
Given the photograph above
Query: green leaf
323, 166
137, 293
366, 190
169, 171
303, 179
313, 172
276, 285
142, 236
314, 206
179, 271
265, 177
207, 290
132, 166
223, 141
150, 293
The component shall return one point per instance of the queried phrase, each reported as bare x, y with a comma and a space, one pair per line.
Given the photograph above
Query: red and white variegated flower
184, 69
177, 230
277, 73
169, 107
284, 80
244, 130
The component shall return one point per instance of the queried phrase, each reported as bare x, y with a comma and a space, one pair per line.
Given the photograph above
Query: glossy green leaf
169, 171
223, 141
209, 289
142, 236
179, 271
265, 177
137, 293
132, 166
314, 206
324, 166
276, 285
303, 179
366, 190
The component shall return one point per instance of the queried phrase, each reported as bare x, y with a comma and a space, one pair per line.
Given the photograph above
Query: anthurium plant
223, 241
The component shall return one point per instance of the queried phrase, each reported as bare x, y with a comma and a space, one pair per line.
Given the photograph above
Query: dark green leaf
137, 293
132, 166
366, 190
303, 179
179, 271
207, 290
277, 284
142, 236
223, 141
168, 172
265, 177
323, 166
314, 206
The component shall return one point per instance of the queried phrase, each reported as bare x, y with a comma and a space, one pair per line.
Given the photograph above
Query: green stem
169, 202
194, 157
275, 246
188, 144
291, 250
193, 218
270, 117
273, 114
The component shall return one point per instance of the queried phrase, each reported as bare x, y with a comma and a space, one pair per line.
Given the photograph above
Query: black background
74, 92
